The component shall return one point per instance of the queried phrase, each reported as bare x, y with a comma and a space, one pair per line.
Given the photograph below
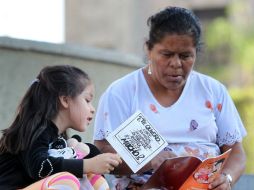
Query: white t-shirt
198, 123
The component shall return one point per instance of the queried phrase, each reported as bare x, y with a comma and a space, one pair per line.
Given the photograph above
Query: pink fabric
80, 154
94, 179
63, 176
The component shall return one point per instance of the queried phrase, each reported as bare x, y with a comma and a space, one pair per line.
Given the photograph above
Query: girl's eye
88, 101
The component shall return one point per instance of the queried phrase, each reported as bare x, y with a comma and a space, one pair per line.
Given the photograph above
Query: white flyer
136, 141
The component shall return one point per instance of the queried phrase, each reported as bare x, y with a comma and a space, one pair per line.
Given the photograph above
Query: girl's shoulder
49, 132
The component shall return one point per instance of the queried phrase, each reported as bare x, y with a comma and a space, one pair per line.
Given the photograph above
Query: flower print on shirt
192, 152
209, 105
153, 108
193, 125
206, 155
219, 107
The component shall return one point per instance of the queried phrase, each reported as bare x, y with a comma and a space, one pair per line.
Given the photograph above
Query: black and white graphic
137, 141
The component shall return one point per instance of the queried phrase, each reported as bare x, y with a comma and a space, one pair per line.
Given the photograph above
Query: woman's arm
234, 166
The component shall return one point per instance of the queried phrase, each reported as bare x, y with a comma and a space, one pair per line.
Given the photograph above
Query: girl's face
172, 60
81, 110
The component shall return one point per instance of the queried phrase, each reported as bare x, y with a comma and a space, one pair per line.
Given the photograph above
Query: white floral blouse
203, 119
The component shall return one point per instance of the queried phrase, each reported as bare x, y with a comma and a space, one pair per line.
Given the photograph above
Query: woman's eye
166, 54
184, 56
88, 101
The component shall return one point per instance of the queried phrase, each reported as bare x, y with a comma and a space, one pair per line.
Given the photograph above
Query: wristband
229, 178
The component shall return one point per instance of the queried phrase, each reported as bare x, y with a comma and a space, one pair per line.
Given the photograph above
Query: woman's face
172, 60
81, 110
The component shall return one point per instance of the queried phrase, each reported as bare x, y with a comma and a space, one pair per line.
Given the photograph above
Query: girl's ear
64, 100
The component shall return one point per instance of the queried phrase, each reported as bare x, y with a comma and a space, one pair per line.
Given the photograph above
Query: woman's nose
175, 62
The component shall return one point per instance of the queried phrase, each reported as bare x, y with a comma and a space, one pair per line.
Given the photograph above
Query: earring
149, 72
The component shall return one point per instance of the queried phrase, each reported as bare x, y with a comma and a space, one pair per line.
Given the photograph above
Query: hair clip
34, 81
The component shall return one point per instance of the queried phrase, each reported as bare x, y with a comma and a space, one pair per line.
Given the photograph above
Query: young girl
59, 98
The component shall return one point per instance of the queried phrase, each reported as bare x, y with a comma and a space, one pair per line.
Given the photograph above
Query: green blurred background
230, 46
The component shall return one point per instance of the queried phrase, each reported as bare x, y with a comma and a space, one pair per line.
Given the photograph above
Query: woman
192, 111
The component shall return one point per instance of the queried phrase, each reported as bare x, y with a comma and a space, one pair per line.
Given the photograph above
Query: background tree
230, 46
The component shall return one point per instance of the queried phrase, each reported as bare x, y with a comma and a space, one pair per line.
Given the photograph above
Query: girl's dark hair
173, 20
41, 104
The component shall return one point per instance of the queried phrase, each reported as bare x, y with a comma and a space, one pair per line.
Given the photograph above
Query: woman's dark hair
173, 20
40, 104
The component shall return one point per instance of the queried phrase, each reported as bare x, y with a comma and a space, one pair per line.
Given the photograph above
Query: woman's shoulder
207, 80
207, 84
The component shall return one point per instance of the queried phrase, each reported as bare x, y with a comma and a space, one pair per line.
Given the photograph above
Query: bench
246, 182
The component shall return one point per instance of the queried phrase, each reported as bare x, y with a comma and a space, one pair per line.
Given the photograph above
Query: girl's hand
221, 182
102, 163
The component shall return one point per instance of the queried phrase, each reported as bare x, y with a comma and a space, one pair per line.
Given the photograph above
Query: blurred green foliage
233, 37
244, 101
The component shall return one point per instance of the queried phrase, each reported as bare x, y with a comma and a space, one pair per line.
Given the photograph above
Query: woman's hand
221, 182
160, 158
102, 163
237, 155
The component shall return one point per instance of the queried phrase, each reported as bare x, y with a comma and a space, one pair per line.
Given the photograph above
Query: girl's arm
104, 147
37, 163
123, 168
102, 163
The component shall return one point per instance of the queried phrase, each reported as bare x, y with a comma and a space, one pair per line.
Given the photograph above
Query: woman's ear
64, 101
147, 52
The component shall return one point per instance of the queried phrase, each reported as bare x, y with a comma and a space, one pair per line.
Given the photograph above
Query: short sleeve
111, 112
230, 126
